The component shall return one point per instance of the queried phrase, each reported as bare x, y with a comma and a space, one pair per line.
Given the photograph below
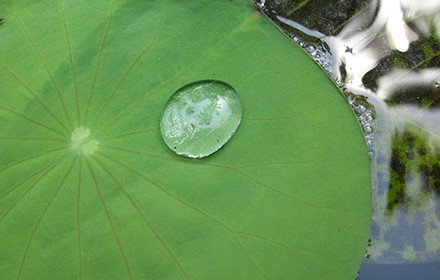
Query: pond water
377, 271
385, 57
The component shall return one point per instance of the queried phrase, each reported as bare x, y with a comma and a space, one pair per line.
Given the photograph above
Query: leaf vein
22, 138
99, 60
110, 222
45, 171
43, 214
130, 108
71, 59
46, 66
128, 134
31, 158
37, 123
34, 94
248, 257
144, 218
78, 224
131, 66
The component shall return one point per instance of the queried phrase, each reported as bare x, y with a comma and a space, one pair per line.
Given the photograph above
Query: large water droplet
200, 118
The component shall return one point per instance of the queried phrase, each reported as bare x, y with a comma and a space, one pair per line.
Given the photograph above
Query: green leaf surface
89, 190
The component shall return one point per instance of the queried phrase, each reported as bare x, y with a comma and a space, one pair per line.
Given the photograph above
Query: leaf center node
81, 142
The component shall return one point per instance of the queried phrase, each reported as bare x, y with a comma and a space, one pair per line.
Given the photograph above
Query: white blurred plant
361, 51
373, 33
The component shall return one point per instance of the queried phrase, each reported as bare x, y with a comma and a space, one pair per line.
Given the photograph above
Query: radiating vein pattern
88, 188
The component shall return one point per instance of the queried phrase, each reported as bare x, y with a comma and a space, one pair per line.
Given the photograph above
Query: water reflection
385, 56
425, 271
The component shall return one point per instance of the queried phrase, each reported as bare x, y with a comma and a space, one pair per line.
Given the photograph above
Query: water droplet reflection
200, 118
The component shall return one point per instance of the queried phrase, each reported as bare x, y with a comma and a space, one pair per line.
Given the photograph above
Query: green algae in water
200, 118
